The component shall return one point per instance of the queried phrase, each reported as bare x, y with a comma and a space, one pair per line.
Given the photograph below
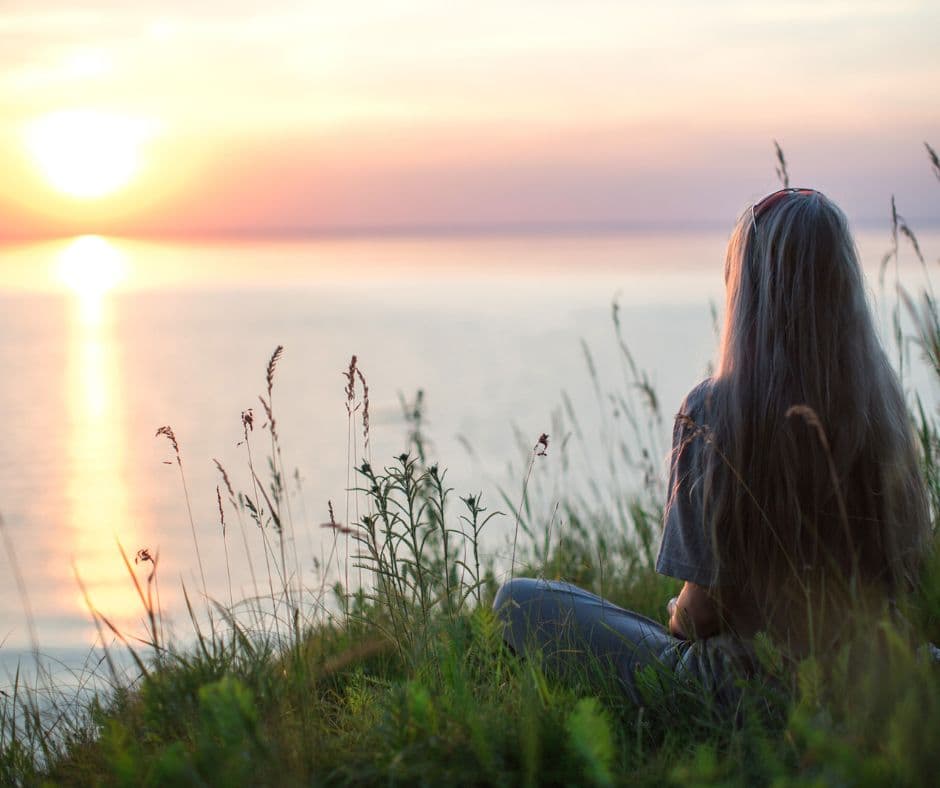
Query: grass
396, 673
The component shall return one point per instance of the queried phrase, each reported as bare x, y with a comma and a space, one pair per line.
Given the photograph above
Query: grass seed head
248, 421
541, 445
168, 433
934, 160
365, 406
350, 389
228, 483
272, 365
218, 497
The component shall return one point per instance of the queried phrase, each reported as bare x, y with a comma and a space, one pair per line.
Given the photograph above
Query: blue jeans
573, 629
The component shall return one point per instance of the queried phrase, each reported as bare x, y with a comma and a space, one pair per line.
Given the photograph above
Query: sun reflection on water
98, 493
91, 266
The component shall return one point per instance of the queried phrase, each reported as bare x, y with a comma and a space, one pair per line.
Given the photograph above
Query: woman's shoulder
696, 402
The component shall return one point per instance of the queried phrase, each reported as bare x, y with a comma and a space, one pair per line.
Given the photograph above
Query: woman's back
811, 493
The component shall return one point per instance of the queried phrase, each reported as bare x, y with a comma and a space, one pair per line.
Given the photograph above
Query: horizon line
421, 230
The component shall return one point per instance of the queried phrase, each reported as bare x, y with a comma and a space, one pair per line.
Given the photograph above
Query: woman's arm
694, 615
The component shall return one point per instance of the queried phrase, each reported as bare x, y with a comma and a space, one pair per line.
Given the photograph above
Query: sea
494, 340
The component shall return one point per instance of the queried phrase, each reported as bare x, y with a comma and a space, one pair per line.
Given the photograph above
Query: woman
795, 492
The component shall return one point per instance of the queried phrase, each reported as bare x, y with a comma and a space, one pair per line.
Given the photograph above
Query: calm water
104, 340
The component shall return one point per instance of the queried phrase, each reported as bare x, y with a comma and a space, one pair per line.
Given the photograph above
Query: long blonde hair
814, 477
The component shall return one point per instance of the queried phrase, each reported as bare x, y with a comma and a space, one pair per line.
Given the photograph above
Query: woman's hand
694, 614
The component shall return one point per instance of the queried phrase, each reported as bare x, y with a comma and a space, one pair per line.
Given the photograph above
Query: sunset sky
178, 118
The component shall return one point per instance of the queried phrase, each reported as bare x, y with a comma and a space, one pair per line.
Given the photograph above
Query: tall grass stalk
254, 601
351, 408
257, 512
167, 432
281, 500
228, 563
540, 449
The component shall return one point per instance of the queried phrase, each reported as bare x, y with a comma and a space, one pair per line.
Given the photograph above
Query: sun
87, 154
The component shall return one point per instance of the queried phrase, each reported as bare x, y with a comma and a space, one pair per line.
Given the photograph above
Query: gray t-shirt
686, 550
